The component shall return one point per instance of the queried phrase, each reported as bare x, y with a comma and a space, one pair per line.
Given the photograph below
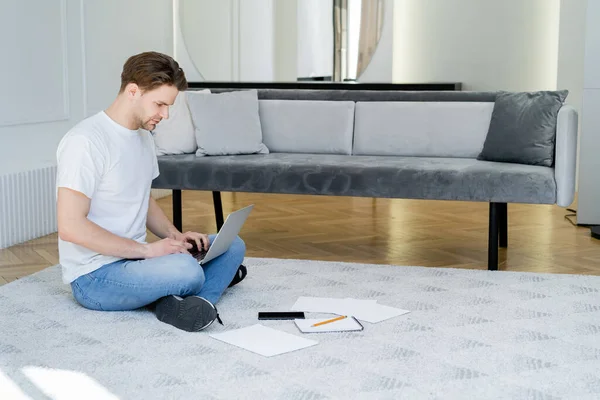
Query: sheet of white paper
263, 340
344, 325
373, 312
364, 310
319, 304
361, 300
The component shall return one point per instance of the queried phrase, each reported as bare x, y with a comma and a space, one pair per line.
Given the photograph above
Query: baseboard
27, 205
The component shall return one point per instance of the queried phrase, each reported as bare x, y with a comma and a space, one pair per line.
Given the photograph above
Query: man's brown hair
150, 70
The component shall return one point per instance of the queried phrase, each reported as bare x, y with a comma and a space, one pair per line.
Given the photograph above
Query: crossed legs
131, 284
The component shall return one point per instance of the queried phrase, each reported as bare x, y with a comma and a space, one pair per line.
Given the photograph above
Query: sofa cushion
423, 129
175, 135
523, 128
362, 176
226, 123
297, 126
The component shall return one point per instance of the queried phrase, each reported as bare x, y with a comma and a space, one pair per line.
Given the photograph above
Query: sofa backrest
423, 129
307, 126
368, 95
375, 122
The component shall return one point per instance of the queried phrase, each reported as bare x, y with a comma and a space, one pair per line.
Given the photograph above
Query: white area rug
469, 335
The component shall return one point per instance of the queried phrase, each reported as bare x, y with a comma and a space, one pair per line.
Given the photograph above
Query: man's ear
132, 90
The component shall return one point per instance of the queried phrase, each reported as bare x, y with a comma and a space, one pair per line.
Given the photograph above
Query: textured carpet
470, 334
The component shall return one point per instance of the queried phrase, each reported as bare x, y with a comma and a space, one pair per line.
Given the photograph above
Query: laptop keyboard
198, 255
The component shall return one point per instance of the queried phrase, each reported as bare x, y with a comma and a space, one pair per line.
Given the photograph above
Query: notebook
348, 324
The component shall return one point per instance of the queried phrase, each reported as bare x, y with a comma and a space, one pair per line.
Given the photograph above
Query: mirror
357, 30
337, 38
254, 40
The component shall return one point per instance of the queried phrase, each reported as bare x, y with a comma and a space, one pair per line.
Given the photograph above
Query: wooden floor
381, 231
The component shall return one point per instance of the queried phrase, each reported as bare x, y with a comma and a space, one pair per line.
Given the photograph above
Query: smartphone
281, 315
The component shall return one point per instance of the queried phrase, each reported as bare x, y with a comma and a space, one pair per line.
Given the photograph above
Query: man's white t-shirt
114, 167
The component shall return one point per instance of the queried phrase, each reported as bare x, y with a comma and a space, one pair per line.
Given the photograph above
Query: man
106, 165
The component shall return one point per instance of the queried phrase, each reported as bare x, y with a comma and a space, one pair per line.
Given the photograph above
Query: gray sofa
381, 144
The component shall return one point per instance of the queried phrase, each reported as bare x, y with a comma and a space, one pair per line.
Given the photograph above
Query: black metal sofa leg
219, 219
503, 224
218, 209
177, 214
177, 221
493, 237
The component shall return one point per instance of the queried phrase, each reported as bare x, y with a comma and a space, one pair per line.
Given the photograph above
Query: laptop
225, 237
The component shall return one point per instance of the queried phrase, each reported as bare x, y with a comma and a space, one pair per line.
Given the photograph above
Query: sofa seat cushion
361, 176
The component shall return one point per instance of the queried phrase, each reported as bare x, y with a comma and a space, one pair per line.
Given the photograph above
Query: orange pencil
329, 320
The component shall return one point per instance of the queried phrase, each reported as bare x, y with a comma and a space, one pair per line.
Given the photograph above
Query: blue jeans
131, 284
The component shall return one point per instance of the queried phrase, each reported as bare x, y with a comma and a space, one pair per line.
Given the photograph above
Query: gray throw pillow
523, 128
226, 123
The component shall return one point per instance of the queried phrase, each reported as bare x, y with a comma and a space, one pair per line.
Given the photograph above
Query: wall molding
83, 57
235, 40
64, 21
66, 113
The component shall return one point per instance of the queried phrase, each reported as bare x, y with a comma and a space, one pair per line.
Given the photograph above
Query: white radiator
27, 205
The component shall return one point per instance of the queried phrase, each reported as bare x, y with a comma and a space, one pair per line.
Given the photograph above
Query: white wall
571, 49
257, 40
228, 40
180, 51
115, 30
207, 29
41, 94
486, 44
64, 63
588, 207
286, 40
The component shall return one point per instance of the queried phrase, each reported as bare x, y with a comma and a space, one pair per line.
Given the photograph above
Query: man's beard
148, 125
